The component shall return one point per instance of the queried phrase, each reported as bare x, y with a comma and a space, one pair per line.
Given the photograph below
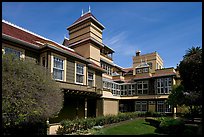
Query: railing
74, 86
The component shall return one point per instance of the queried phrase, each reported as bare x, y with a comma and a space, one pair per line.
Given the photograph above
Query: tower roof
85, 16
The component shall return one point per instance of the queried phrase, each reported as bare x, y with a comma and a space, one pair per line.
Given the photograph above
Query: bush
171, 126
68, 127
29, 95
153, 122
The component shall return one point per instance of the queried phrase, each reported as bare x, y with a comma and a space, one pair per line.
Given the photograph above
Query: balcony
79, 89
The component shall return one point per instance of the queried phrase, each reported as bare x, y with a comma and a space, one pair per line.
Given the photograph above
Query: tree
29, 95
189, 93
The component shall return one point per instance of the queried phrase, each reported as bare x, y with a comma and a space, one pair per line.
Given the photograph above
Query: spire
82, 12
89, 8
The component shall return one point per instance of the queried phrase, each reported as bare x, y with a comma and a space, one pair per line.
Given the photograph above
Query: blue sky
170, 28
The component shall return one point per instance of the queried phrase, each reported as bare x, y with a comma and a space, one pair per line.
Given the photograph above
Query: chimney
138, 53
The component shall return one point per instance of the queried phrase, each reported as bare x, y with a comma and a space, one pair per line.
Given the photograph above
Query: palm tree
192, 51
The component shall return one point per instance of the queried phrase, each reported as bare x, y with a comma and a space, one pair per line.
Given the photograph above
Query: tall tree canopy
29, 94
189, 93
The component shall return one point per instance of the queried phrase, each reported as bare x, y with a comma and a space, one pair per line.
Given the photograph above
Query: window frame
141, 83
93, 80
22, 51
64, 66
84, 73
164, 85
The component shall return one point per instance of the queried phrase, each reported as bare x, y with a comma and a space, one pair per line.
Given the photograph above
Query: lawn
134, 127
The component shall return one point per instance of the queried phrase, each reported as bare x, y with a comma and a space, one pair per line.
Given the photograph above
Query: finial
89, 8
82, 12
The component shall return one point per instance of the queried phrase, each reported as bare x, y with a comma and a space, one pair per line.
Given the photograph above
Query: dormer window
150, 65
139, 71
145, 70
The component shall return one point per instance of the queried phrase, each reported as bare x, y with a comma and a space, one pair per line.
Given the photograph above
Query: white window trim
94, 79
64, 65
84, 80
22, 56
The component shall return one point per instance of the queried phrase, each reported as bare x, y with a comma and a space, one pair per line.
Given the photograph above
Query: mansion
84, 68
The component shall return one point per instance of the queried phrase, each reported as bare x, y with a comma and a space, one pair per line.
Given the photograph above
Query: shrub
29, 95
171, 126
153, 122
68, 127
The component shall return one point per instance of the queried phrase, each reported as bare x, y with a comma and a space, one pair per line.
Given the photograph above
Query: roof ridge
23, 29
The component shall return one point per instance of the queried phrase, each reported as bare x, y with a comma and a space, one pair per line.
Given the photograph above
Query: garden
131, 123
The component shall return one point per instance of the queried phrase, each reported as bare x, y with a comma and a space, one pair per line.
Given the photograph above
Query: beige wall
79, 32
105, 58
95, 54
154, 58
81, 50
151, 108
106, 76
110, 107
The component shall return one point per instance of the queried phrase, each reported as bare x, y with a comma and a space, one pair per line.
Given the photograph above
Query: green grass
135, 127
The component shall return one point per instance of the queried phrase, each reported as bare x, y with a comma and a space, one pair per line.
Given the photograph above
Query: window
163, 107
160, 106
142, 87
17, 53
90, 79
107, 67
150, 65
164, 85
138, 71
141, 106
58, 68
79, 73
145, 70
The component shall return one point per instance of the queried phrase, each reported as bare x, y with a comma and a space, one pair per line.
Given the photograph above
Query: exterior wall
70, 70
154, 58
99, 105
98, 79
26, 53
107, 59
83, 50
85, 30
96, 32
106, 76
94, 54
32, 56
79, 33
110, 107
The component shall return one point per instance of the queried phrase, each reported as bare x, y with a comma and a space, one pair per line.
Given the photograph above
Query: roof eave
86, 19
21, 42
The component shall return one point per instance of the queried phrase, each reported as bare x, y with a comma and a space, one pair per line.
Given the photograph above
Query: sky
169, 28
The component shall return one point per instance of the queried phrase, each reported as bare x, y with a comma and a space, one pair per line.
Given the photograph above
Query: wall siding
99, 80
70, 71
32, 56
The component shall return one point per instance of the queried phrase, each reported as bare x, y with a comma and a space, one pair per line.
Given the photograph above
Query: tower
85, 36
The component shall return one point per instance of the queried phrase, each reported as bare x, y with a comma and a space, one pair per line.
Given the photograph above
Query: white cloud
120, 44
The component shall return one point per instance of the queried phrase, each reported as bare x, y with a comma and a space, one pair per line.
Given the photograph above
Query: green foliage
190, 69
171, 126
153, 122
176, 96
29, 95
68, 126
